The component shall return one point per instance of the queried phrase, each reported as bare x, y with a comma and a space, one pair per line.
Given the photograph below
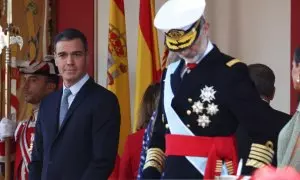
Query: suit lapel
83, 92
52, 125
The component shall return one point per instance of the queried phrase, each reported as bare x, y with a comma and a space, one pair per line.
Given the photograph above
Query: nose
70, 60
25, 85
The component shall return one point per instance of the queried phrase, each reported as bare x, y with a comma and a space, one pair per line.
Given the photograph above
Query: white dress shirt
75, 88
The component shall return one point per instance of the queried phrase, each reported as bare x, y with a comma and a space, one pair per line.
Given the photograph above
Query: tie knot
191, 65
67, 92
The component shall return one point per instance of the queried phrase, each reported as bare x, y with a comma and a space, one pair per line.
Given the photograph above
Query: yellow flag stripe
143, 73
119, 68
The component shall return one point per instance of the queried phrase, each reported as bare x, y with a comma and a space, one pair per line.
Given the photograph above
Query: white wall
252, 30
256, 31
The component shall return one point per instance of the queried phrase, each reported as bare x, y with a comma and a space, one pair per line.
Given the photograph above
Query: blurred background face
296, 75
35, 88
71, 60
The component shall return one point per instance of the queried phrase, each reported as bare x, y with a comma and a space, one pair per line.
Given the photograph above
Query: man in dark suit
264, 79
78, 127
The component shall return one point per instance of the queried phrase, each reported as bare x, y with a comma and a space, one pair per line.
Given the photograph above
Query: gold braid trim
260, 155
218, 166
254, 163
155, 158
229, 167
232, 62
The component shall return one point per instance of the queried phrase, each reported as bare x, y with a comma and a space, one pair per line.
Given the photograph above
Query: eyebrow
31, 77
64, 52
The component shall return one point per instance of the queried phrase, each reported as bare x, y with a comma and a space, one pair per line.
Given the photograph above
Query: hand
7, 127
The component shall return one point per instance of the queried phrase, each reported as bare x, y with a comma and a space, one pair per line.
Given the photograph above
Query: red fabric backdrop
295, 41
80, 15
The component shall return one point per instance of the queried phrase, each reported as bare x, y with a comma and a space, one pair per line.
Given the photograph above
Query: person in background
288, 152
41, 79
77, 130
264, 80
130, 160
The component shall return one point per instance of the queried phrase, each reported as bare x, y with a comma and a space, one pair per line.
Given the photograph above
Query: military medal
203, 121
207, 94
204, 107
198, 107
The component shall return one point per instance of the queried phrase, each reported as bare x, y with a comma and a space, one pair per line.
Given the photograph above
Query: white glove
7, 128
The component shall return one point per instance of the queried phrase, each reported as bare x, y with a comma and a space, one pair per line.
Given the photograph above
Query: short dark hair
263, 78
70, 34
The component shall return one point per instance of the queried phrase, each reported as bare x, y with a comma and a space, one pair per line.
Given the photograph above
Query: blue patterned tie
64, 106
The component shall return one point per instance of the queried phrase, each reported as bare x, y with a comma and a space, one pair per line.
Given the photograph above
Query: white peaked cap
177, 14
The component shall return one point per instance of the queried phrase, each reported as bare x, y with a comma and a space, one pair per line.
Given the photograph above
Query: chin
69, 77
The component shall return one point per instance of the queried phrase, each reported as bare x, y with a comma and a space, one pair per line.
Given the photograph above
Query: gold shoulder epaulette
233, 62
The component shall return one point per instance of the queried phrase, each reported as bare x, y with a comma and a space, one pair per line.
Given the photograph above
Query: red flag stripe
120, 4
146, 27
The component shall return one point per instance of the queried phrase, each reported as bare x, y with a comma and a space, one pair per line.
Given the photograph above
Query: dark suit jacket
85, 146
244, 141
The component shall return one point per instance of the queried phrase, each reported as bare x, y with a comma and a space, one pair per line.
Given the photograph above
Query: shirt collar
76, 87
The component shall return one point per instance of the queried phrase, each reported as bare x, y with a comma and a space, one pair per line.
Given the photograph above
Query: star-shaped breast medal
203, 121
207, 94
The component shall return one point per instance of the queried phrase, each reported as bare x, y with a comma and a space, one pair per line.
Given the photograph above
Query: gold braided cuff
155, 158
157, 153
260, 155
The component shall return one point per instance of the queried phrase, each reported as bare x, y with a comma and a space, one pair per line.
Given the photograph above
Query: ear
206, 28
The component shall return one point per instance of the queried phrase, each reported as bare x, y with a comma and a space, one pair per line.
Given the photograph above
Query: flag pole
7, 90
7, 37
7, 106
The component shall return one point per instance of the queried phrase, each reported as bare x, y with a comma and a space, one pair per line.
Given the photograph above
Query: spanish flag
117, 65
148, 67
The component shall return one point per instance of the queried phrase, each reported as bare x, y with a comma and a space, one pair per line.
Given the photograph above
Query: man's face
71, 60
35, 88
197, 48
